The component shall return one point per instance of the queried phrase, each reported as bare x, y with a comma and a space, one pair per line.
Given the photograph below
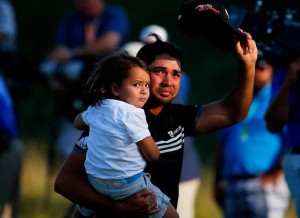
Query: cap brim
211, 22
236, 31
219, 32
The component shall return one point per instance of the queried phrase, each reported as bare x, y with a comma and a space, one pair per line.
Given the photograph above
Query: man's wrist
117, 209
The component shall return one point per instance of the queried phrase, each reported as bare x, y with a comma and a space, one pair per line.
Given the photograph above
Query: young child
119, 140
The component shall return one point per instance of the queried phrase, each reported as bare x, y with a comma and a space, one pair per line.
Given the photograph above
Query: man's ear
115, 89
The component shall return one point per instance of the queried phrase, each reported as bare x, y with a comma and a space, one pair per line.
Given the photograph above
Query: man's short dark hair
149, 51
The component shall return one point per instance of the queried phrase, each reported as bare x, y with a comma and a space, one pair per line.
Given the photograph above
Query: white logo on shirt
173, 133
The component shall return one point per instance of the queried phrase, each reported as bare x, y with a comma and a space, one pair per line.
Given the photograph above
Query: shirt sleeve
277, 81
81, 144
8, 122
64, 28
190, 115
86, 115
7, 19
116, 19
136, 124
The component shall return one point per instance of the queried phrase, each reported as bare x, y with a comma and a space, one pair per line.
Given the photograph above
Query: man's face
165, 78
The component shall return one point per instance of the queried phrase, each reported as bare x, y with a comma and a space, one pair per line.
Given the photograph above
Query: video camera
276, 30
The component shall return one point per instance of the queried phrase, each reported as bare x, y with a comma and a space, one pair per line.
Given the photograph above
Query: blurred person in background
190, 179
8, 37
11, 148
249, 180
8, 28
11, 155
18, 69
284, 113
93, 29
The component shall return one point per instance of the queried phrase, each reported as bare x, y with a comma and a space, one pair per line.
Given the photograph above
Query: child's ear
115, 89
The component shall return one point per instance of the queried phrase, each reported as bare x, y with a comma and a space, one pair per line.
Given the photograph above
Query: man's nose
167, 79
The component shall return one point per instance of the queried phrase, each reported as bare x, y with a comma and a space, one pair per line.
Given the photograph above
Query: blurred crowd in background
249, 158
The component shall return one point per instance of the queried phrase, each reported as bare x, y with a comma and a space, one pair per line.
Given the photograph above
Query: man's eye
177, 75
161, 72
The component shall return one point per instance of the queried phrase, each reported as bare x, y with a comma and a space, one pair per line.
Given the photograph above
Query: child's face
135, 88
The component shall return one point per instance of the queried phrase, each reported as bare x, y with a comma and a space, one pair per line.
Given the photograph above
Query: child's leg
171, 212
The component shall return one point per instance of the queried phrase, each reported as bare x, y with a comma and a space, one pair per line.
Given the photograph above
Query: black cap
209, 19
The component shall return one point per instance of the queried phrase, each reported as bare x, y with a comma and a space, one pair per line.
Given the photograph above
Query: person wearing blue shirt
284, 113
11, 154
11, 148
8, 27
93, 29
249, 181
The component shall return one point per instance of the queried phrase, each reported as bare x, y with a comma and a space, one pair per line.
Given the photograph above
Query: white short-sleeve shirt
115, 127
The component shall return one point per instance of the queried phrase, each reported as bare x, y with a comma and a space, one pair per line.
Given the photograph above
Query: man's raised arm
234, 107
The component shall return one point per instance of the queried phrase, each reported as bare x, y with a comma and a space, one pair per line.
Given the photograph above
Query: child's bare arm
79, 123
149, 148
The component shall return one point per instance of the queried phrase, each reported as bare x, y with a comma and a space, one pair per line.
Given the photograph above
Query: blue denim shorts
121, 189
